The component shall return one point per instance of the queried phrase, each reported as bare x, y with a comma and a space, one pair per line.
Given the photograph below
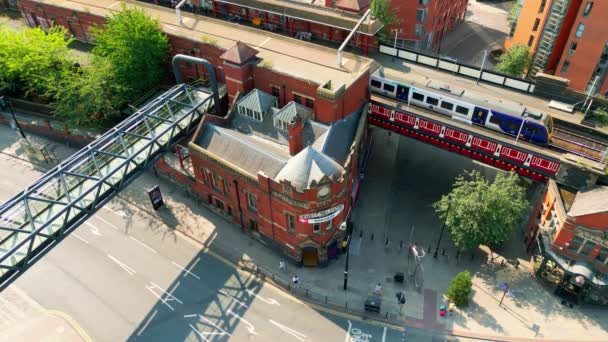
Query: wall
528, 14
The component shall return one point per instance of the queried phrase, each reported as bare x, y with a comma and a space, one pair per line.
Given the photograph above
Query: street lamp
396, 32
442, 228
349, 230
5, 102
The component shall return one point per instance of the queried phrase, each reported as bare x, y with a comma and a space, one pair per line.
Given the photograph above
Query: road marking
350, 325
234, 299
203, 334
94, 229
185, 270
168, 297
143, 244
264, 42
250, 327
188, 316
80, 238
290, 331
118, 213
106, 222
122, 265
270, 301
384, 335
147, 322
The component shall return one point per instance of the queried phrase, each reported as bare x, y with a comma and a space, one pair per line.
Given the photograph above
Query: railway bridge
569, 166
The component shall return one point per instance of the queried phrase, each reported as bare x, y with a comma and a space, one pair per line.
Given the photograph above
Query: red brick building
284, 163
569, 237
569, 39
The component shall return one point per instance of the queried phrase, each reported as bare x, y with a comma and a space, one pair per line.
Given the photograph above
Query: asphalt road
124, 276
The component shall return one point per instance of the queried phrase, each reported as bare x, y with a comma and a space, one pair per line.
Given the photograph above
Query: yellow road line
79, 330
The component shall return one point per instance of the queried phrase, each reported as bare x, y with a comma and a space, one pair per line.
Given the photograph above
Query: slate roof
258, 101
307, 166
340, 137
289, 111
248, 153
239, 54
355, 5
590, 201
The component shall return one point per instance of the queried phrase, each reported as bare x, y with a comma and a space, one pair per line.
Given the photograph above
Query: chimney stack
296, 140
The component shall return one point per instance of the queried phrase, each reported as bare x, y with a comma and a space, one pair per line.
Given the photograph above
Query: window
565, 67
316, 227
389, 87
418, 97
536, 23
575, 244
603, 58
291, 222
542, 6
376, 84
447, 105
420, 15
252, 201
579, 30
419, 30
226, 187
432, 101
297, 98
588, 8
216, 181
495, 120
310, 103
462, 110
531, 41
603, 256
586, 249
206, 176
573, 46
276, 91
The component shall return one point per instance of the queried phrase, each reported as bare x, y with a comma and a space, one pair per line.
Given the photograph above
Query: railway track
579, 144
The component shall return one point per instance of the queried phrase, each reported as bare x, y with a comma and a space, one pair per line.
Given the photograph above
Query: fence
468, 71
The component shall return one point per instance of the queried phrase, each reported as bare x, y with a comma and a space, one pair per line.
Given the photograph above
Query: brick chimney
296, 141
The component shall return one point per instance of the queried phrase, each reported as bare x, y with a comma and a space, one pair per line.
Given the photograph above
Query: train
502, 116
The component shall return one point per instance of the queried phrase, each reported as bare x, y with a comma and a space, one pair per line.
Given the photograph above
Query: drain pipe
178, 11
210, 70
352, 33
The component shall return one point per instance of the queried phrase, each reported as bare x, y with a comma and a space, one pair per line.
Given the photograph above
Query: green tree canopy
136, 49
382, 11
31, 60
460, 288
515, 60
480, 212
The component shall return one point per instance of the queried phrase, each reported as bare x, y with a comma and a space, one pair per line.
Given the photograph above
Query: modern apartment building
568, 38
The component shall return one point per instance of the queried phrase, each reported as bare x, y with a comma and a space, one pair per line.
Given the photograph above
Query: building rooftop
253, 145
239, 54
590, 201
354, 5
284, 55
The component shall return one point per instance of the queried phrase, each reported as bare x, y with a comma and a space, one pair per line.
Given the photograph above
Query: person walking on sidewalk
282, 265
296, 281
378, 289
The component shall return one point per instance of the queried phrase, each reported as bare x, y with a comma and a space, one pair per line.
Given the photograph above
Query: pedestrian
282, 265
378, 289
296, 281
344, 244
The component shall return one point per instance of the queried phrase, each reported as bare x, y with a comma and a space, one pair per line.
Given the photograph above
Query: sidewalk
534, 313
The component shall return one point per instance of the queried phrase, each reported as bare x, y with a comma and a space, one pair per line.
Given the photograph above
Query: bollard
372, 236
517, 263
386, 242
360, 233
325, 299
502, 262
386, 316
443, 252
457, 255
401, 244
429, 250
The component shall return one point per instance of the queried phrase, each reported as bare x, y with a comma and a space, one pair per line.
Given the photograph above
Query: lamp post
396, 32
442, 228
4, 101
348, 235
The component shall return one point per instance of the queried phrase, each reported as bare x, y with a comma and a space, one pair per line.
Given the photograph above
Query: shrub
460, 288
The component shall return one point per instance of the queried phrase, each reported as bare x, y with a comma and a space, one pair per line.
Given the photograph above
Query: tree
135, 48
515, 60
87, 98
381, 9
460, 288
480, 212
32, 60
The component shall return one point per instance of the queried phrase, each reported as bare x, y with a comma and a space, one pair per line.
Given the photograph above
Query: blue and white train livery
509, 118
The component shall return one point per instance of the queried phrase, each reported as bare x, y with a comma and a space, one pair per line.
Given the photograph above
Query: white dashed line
80, 238
143, 245
122, 265
185, 270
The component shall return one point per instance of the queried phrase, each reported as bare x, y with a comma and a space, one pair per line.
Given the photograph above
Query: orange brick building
568, 38
569, 237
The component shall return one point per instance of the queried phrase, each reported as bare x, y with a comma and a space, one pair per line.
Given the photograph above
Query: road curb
79, 330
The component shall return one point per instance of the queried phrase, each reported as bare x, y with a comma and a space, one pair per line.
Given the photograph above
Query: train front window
389, 87
549, 124
376, 84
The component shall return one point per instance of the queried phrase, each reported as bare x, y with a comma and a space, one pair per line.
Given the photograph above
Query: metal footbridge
38, 218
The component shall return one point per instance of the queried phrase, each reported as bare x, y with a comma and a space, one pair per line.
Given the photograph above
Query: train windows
462, 110
447, 105
432, 101
376, 84
389, 87
495, 120
418, 97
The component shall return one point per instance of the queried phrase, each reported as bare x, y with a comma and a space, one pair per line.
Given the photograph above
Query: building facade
568, 38
569, 239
